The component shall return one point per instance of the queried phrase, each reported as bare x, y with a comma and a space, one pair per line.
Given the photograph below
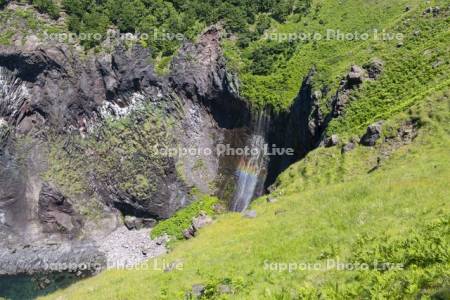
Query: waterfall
251, 169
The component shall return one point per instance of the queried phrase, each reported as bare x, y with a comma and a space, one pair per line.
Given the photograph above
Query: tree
126, 14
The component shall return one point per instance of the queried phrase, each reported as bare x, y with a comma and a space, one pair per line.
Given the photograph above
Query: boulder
201, 221
435, 11
372, 134
355, 76
132, 222
348, 147
332, 141
374, 68
189, 233
198, 222
219, 208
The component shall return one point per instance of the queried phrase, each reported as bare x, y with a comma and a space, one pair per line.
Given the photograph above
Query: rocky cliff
53, 98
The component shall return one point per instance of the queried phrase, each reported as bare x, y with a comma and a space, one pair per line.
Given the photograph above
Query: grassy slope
328, 200
323, 210
408, 70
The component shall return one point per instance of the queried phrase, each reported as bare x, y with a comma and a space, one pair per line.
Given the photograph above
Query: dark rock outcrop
353, 80
56, 213
201, 221
372, 134
355, 77
301, 128
199, 73
197, 223
374, 68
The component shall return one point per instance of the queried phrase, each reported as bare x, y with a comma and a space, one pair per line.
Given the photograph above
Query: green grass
407, 69
329, 207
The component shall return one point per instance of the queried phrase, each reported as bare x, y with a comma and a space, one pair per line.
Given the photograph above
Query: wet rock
302, 127
372, 134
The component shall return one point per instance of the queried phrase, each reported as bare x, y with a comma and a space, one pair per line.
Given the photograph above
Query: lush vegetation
47, 6
161, 20
394, 219
182, 219
272, 77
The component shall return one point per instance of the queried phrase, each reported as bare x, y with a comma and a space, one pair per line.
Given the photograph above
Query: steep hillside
359, 90
331, 209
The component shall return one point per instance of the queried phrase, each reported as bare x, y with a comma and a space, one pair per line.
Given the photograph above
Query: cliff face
55, 93
78, 136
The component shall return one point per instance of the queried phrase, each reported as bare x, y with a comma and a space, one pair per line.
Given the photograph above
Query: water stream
251, 171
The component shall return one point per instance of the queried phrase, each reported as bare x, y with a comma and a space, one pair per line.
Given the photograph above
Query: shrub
182, 219
48, 7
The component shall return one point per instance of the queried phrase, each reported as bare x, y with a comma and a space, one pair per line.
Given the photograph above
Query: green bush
182, 219
47, 6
